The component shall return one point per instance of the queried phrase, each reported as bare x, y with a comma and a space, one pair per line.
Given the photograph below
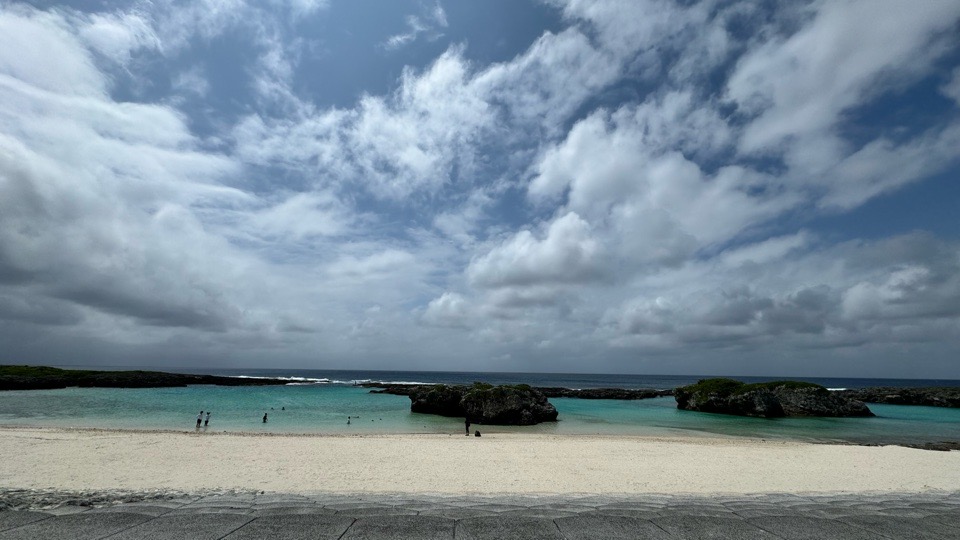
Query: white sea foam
373, 381
299, 381
292, 380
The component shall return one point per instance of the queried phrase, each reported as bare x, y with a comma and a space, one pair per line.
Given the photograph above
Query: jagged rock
931, 397
761, 403
518, 405
818, 402
437, 399
766, 400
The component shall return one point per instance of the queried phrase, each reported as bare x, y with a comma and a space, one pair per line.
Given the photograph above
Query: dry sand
41, 458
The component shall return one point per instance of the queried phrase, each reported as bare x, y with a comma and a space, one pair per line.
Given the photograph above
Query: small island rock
766, 400
514, 405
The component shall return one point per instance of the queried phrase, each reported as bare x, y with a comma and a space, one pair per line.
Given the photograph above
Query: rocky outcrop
766, 400
514, 405
930, 397
818, 402
548, 391
47, 378
603, 393
439, 399
394, 389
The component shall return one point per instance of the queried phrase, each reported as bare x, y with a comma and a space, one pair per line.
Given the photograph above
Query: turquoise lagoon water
324, 408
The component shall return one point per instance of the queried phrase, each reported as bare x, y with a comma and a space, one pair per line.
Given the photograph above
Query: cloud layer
647, 188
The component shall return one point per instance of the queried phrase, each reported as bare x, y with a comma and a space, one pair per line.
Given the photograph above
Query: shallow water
324, 408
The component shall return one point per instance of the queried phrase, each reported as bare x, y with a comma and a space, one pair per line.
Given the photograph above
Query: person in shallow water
264, 418
206, 421
199, 418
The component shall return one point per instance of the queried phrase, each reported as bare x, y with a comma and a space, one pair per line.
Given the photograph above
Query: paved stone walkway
282, 517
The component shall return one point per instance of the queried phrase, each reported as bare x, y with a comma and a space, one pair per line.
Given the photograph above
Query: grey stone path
236, 516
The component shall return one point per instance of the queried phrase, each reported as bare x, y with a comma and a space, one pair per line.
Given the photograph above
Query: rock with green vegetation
47, 378
505, 405
766, 400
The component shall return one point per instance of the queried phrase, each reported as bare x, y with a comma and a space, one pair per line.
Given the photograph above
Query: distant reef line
50, 378
21, 377
548, 391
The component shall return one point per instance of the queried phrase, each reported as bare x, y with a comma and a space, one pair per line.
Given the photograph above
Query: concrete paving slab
208, 503
270, 498
192, 511
832, 512
705, 527
906, 512
86, 526
497, 508
936, 506
809, 528
419, 507
764, 512
348, 506
213, 516
234, 497
950, 519
464, 502
401, 528
152, 511
10, 518
698, 510
590, 527
632, 506
507, 528
295, 503
294, 510
377, 511
630, 513
537, 513
293, 527
904, 528
185, 527
564, 507
457, 513
67, 509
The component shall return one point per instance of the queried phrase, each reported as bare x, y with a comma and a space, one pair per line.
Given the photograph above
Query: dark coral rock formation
603, 393
930, 397
437, 399
514, 405
766, 400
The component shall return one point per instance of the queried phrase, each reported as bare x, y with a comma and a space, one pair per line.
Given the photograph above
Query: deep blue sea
319, 401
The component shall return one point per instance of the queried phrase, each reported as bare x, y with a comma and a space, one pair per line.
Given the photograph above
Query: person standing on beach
206, 422
199, 418
466, 424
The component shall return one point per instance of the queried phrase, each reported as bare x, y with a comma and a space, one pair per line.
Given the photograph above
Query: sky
605, 186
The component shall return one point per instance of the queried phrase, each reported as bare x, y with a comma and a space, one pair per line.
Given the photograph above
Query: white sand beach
42, 458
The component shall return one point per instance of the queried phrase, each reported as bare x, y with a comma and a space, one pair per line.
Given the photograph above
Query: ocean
320, 401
